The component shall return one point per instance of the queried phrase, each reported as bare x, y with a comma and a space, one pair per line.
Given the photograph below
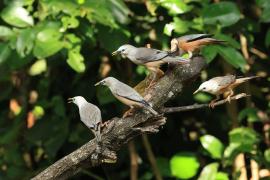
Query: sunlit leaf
184, 165
48, 42
175, 6
222, 176
25, 42
38, 67
209, 172
5, 32
17, 16
180, 26
267, 155
223, 13
213, 145
76, 60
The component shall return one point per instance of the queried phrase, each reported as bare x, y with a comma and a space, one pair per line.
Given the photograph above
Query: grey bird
151, 58
222, 85
191, 43
90, 115
126, 94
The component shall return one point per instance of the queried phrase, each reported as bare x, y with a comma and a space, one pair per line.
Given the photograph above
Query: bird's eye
122, 50
204, 88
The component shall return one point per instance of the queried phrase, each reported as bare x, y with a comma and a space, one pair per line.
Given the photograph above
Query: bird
90, 115
191, 43
152, 59
222, 85
126, 94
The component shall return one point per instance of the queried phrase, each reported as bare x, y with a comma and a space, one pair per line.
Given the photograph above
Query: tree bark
120, 130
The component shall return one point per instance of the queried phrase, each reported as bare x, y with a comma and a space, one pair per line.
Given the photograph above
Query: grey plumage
142, 55
126, 94
90, 115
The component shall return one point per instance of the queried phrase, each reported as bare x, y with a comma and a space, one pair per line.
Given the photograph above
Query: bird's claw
128, 113
212, 104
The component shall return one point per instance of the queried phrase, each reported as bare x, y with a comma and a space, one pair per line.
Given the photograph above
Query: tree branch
168, 110
120, 130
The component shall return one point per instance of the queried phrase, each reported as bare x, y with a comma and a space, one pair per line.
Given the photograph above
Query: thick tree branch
168, 110
120, 130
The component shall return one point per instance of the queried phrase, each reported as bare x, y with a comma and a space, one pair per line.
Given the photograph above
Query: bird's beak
115, 53
70, 100
99, 83
198, 90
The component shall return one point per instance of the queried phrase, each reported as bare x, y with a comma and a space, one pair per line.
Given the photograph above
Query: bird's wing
90, 115
149, 54
125, 91
224, 81
193, 37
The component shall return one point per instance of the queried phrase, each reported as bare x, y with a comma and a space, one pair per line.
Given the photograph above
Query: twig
259, 53
133, 161
168, 110
151, 157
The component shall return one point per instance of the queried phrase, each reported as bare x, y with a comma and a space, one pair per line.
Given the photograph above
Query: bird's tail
214, 41
149, 108
244, 79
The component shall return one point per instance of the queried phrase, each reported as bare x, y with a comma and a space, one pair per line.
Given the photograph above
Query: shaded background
54, 49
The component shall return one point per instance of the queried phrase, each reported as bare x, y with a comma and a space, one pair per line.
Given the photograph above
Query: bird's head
204, 87
76, 100
109, 81
123, 50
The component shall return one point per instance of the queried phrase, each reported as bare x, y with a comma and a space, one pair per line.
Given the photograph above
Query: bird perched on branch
90, 115
151, 58
126, 94
192, 43
222, 85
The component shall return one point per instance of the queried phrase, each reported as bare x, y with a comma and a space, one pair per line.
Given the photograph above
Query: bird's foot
212, 104
228, 99
128, 113
105, 124
151, 85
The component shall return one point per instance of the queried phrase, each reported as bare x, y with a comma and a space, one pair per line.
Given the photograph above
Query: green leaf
168, 28
5, 51
48, 42
17, 16
223, 13
5, 32
241, 140
180, 26
209, 172
213, 145
202, 97
209, 52
76, 60
250, 114
267, 155
25, 42
222, 176
175, 6
229, 40
184, 165
233, 57
267, 38
38, 67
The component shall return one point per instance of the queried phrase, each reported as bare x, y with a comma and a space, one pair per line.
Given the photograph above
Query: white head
124, 50
109, 81
207, 86
78, 100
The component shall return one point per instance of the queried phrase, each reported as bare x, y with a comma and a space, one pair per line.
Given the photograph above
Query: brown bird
192, 43
222, 85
